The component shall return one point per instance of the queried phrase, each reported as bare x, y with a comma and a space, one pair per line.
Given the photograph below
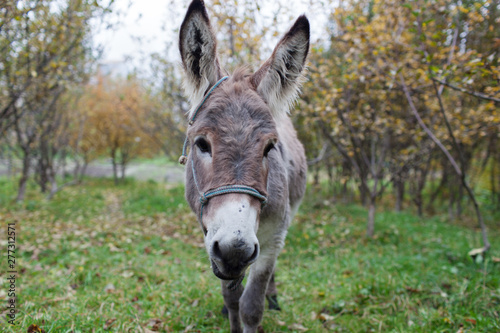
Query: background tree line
392, 86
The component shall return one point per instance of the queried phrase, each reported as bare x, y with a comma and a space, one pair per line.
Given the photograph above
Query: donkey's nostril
216, 250
254, 255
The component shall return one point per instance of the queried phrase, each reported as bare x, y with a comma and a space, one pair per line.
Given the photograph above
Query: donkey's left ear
278, 81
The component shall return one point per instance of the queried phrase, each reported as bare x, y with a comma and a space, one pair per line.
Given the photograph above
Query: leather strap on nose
205, 196
233, 189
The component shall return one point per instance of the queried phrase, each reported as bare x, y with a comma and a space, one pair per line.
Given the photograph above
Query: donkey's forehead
233, 106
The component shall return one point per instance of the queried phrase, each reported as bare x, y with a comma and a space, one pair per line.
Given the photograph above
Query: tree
355, 92
108, 123
45, 47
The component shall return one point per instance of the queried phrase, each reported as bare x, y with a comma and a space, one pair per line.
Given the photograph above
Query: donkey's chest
272, 232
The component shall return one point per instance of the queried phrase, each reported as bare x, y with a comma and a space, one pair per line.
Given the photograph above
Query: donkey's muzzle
229, 261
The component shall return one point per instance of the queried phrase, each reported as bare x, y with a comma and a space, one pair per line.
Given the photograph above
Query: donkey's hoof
273, 302
224, 311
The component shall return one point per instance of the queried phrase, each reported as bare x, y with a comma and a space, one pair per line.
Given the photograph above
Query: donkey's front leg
232, 296
252, 301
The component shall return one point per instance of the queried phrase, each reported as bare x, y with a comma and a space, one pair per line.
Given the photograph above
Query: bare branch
426, 129
320, 157
465, 91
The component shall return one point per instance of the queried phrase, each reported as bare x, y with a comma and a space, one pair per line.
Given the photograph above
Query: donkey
246, 169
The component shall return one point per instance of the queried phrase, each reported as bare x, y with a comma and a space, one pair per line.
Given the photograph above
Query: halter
205, 196
183, 158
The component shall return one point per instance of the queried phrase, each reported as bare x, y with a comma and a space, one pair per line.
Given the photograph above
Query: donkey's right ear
198, 49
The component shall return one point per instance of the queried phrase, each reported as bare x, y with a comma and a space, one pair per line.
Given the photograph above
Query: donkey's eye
203, 145
268, 148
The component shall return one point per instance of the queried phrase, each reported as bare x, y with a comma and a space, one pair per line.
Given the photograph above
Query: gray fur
238, 122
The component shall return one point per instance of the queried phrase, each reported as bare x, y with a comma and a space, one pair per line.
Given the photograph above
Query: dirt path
139, 171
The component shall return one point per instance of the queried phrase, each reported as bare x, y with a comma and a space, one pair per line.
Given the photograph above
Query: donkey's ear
198, 49
278, 81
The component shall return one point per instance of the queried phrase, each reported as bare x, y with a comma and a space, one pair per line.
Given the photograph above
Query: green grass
134, 254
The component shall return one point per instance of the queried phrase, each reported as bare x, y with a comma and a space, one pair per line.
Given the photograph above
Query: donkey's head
232, 136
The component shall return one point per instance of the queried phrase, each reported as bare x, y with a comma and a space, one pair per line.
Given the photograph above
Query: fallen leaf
35, 329
347, 273
298, 327
109, 323
127, 274
195, 302
154, 324
113, 248
475, 252
331, 326
495, 260
109, 288
470, 320
446, 286
325, 317
413, 290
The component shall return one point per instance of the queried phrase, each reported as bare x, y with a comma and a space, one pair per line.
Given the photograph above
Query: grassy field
129, 258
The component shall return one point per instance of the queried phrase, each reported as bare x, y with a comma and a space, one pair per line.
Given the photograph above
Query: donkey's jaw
231, 240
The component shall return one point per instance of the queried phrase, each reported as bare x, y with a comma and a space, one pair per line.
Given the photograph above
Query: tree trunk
363, 194
82, 171
399, 187
123, 166
419, 202
53, 185
115, 171
459, 201
345, 194
438, 190
370, 228
24, 176
329, 169
451, 211
115, 167
41, 173
10, 163
492, 181
316, 175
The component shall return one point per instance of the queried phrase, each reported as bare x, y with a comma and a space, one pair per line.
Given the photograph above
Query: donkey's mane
241, 73
239, 89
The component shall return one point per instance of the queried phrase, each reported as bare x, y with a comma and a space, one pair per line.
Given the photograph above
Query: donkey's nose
236, 254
